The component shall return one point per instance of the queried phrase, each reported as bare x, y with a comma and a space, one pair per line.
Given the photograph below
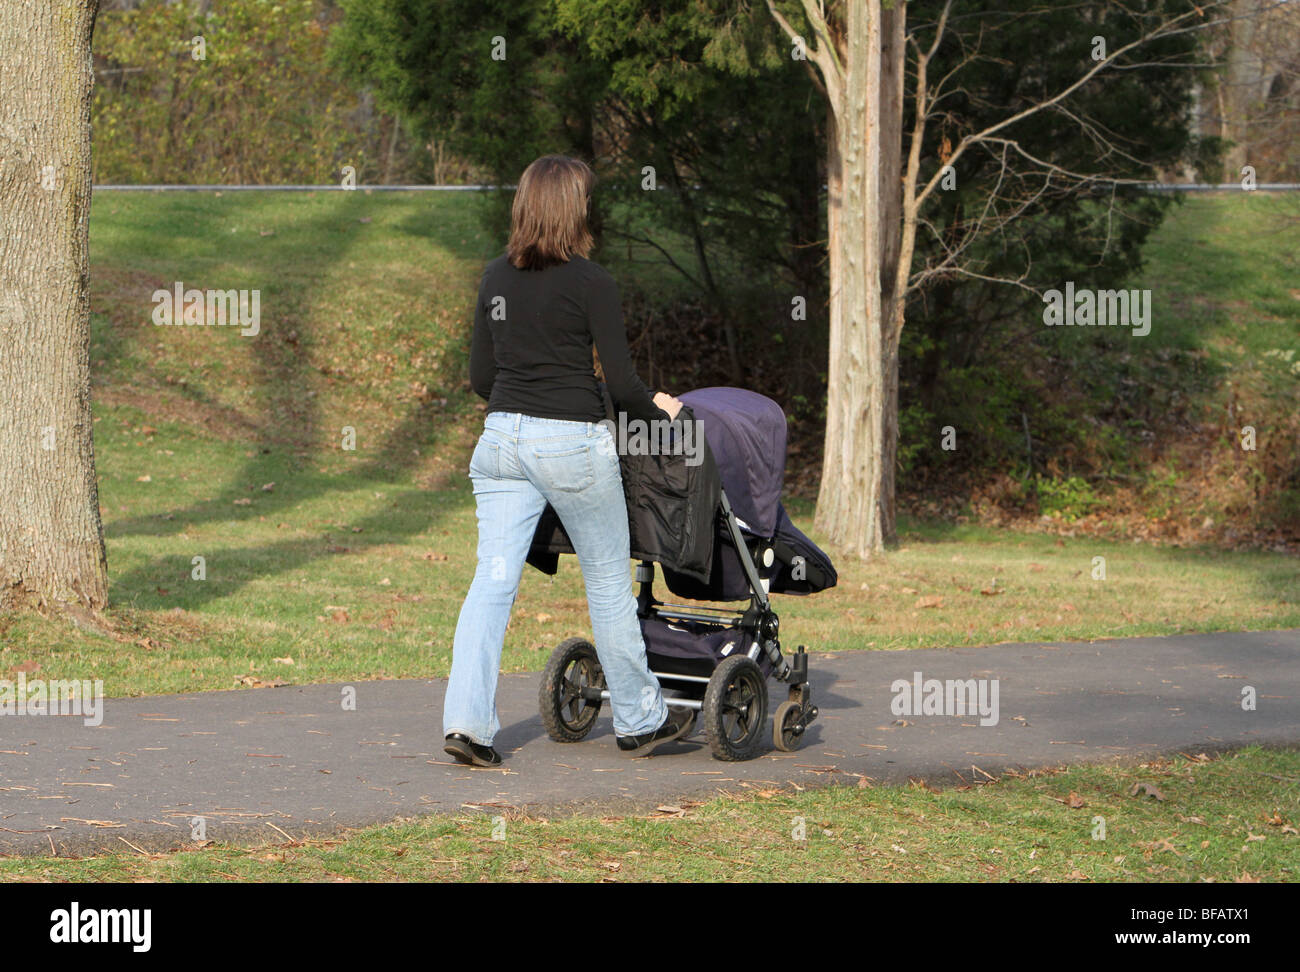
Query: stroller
714, 659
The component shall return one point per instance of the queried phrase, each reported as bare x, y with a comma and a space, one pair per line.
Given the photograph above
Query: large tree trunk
51, 540
855, 505
852, 500
829, 491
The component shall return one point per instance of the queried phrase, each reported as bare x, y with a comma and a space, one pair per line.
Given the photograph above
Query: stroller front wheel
735, 709
569, 697
787, 726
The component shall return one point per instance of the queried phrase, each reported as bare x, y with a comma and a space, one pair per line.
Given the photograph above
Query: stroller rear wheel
735, 709
569, 697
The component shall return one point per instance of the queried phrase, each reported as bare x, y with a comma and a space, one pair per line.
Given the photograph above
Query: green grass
326, 564
1223, 353
1227, 819
1224, 269
355, 575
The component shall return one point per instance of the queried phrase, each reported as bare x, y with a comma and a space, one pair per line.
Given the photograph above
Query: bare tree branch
1165, 30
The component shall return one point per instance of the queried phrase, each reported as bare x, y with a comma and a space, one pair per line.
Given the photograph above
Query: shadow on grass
282, 374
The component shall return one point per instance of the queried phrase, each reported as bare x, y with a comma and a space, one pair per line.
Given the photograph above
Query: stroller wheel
735, 709
571, 677
787, 728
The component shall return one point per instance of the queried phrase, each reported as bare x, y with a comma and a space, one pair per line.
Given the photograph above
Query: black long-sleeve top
533, 333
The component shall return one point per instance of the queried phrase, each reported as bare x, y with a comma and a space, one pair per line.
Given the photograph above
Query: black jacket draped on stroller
704, 502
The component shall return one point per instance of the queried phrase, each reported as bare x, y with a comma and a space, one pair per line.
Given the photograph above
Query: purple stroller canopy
746, 432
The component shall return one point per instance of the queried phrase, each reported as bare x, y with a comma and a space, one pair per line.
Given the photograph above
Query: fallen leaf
252, 681
1146, 789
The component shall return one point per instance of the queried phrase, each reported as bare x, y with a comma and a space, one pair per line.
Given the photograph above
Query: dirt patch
203, 419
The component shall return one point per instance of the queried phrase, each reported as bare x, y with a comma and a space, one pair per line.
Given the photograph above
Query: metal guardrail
1219, 187
328, 188
1150, 186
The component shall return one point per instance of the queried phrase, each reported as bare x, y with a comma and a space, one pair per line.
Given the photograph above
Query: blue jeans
520, 464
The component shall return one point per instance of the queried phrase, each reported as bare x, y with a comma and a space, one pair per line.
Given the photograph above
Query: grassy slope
353, 563
1223, 353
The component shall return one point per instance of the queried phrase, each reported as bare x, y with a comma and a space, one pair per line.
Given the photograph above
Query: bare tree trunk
893, 286
873, 216
1245, 68
850, 501
51, 539
829, 484
855, 502
392, 151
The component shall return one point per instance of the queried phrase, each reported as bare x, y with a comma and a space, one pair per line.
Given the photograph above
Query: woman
540, 307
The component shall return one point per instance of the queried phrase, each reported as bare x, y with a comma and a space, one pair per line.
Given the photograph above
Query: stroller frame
732, 700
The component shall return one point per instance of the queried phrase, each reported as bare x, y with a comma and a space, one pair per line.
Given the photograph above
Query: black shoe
469, 752
679, 723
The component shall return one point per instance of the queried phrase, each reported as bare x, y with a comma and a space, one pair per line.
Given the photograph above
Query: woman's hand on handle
669, 404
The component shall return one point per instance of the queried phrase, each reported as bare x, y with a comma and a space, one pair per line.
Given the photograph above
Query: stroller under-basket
715, 659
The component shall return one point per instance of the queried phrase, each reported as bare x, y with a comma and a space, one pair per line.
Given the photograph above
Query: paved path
292, 757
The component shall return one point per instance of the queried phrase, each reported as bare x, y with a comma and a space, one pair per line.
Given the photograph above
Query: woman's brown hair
548, 221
